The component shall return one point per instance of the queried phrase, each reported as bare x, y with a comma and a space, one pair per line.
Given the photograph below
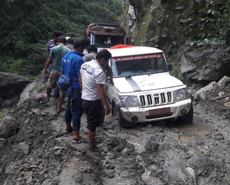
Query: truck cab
105, 35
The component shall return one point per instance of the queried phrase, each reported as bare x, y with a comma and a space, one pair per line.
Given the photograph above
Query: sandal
83, 141
68, 131
44, 96
62, 109
77, 141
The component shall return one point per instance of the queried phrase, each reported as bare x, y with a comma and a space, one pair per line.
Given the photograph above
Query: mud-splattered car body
144, 90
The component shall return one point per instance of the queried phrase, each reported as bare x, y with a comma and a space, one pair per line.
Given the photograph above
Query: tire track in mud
155, 154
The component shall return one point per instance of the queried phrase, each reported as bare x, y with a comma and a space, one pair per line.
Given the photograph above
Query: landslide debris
37, 152
215, 98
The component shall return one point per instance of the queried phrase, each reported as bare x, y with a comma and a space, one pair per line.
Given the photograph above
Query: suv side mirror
170, 67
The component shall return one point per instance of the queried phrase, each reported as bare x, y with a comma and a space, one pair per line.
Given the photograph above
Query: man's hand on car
111, 82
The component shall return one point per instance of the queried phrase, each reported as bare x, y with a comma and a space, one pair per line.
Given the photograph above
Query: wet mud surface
39, 152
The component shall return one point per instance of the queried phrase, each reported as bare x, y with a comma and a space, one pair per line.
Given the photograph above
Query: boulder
132, 19
11, 101
224, 81
132, 16
205, 65
8, 127
11, 84
201, 94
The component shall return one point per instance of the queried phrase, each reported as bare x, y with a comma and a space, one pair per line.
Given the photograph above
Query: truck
106, 35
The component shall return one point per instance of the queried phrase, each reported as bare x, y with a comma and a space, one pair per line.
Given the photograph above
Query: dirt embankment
37, 152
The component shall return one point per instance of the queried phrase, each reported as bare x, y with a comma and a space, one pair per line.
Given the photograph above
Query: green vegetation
28, 25
3, 113
209, 25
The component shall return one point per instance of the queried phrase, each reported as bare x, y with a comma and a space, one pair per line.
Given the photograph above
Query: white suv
143, 89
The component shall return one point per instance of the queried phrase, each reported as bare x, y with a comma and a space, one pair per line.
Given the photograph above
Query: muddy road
37, 152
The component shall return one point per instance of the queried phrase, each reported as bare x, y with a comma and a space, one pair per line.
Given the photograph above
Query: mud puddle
198, 127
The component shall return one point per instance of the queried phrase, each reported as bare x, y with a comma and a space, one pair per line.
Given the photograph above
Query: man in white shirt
91, 81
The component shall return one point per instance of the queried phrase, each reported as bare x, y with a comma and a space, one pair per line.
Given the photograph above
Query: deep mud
38, 152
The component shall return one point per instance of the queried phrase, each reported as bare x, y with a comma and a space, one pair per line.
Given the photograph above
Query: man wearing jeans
92, 80
71, 65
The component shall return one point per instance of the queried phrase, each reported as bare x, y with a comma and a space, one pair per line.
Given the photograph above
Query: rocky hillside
189, 32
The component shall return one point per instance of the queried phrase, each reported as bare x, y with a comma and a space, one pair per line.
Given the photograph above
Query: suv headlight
181, 94
129, 101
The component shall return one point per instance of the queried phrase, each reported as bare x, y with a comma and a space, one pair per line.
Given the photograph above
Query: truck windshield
107, 41
138, 65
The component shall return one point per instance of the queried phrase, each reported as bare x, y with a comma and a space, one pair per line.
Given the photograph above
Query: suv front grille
156, 99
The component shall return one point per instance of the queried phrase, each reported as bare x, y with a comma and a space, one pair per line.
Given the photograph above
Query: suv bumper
142, 114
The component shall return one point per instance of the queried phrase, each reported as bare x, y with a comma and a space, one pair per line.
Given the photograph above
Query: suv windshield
138, 65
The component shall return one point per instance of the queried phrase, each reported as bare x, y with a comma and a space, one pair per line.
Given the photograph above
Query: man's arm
110, 73
101, 93
80, 82
48, 62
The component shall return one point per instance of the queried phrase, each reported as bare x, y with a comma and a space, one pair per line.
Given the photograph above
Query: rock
26, 92
110, 173
227, 105
153, 168
24, 147
124, 151
205, 64
186, 66
11, 84
8, 127
153, 8
8, 102
132, 16
223, 81
221, 94
201, 94
10, 168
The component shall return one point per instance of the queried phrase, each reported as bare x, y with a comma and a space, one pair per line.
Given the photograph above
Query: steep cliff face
175, 27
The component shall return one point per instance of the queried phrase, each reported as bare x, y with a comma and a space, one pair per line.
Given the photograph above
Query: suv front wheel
188, 118
122, 122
